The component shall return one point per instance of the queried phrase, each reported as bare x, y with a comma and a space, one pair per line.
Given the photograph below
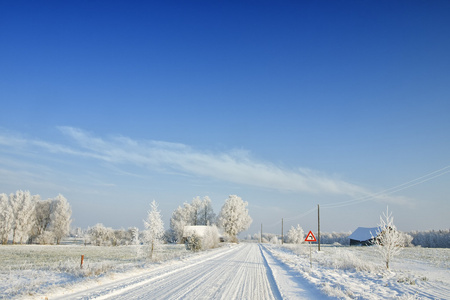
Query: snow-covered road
245, 271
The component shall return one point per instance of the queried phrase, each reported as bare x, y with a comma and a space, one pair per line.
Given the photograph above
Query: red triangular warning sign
310, 237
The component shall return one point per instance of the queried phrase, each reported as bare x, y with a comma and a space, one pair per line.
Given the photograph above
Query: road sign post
310, 238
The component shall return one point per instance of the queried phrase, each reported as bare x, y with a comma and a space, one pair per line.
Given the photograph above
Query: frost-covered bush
194, 242
100, 235
407, 239
211, 238
46, 238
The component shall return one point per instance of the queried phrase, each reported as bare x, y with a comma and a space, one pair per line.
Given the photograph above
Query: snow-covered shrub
274, 240
407, 239
194, 242
100, 235
211, 238
46, 238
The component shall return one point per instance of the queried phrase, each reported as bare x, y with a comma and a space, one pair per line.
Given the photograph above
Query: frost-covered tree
206, 215
41, 229
6, 218
60, 217
134, 235
22, 205
154, 228
234, 217
177, 223
295, 235
389, 240
195, 208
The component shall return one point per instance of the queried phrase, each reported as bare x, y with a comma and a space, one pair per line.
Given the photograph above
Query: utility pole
282, 238
318, 225
260, 239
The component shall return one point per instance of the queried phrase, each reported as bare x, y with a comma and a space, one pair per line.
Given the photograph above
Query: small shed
364, 236
198, 230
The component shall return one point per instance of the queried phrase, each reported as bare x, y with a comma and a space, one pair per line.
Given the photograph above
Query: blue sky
288, 105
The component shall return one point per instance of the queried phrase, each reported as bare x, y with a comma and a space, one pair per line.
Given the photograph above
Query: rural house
364, 236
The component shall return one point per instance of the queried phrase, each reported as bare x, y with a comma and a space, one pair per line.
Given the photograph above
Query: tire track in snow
270, 276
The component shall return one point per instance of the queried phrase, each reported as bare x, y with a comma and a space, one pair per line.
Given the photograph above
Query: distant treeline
428, 239
431, 238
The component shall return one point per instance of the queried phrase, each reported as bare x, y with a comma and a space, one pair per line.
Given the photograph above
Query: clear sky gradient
287, 104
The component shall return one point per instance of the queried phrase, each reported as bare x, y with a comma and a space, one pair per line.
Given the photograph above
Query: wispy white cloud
233, 166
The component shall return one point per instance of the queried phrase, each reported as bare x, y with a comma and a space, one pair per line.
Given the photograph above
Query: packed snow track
245, 271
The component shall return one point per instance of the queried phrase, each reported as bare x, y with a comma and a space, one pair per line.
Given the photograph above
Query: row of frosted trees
25, 218
232, 219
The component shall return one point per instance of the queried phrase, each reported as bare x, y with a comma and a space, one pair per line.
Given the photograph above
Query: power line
392, 190
386, 192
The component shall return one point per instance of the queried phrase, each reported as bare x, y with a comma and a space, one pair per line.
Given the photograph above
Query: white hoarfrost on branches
6, 218
23, 210
295, 235
60, 217
29, 219
389, 240
154, 228
206, 215
178, 221
101, 235
234, 217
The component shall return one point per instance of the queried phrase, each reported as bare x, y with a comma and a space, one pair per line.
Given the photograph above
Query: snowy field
359, 273
247, 271
27, 270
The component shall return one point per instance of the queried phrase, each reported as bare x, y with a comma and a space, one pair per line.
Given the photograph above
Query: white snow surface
265, 271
